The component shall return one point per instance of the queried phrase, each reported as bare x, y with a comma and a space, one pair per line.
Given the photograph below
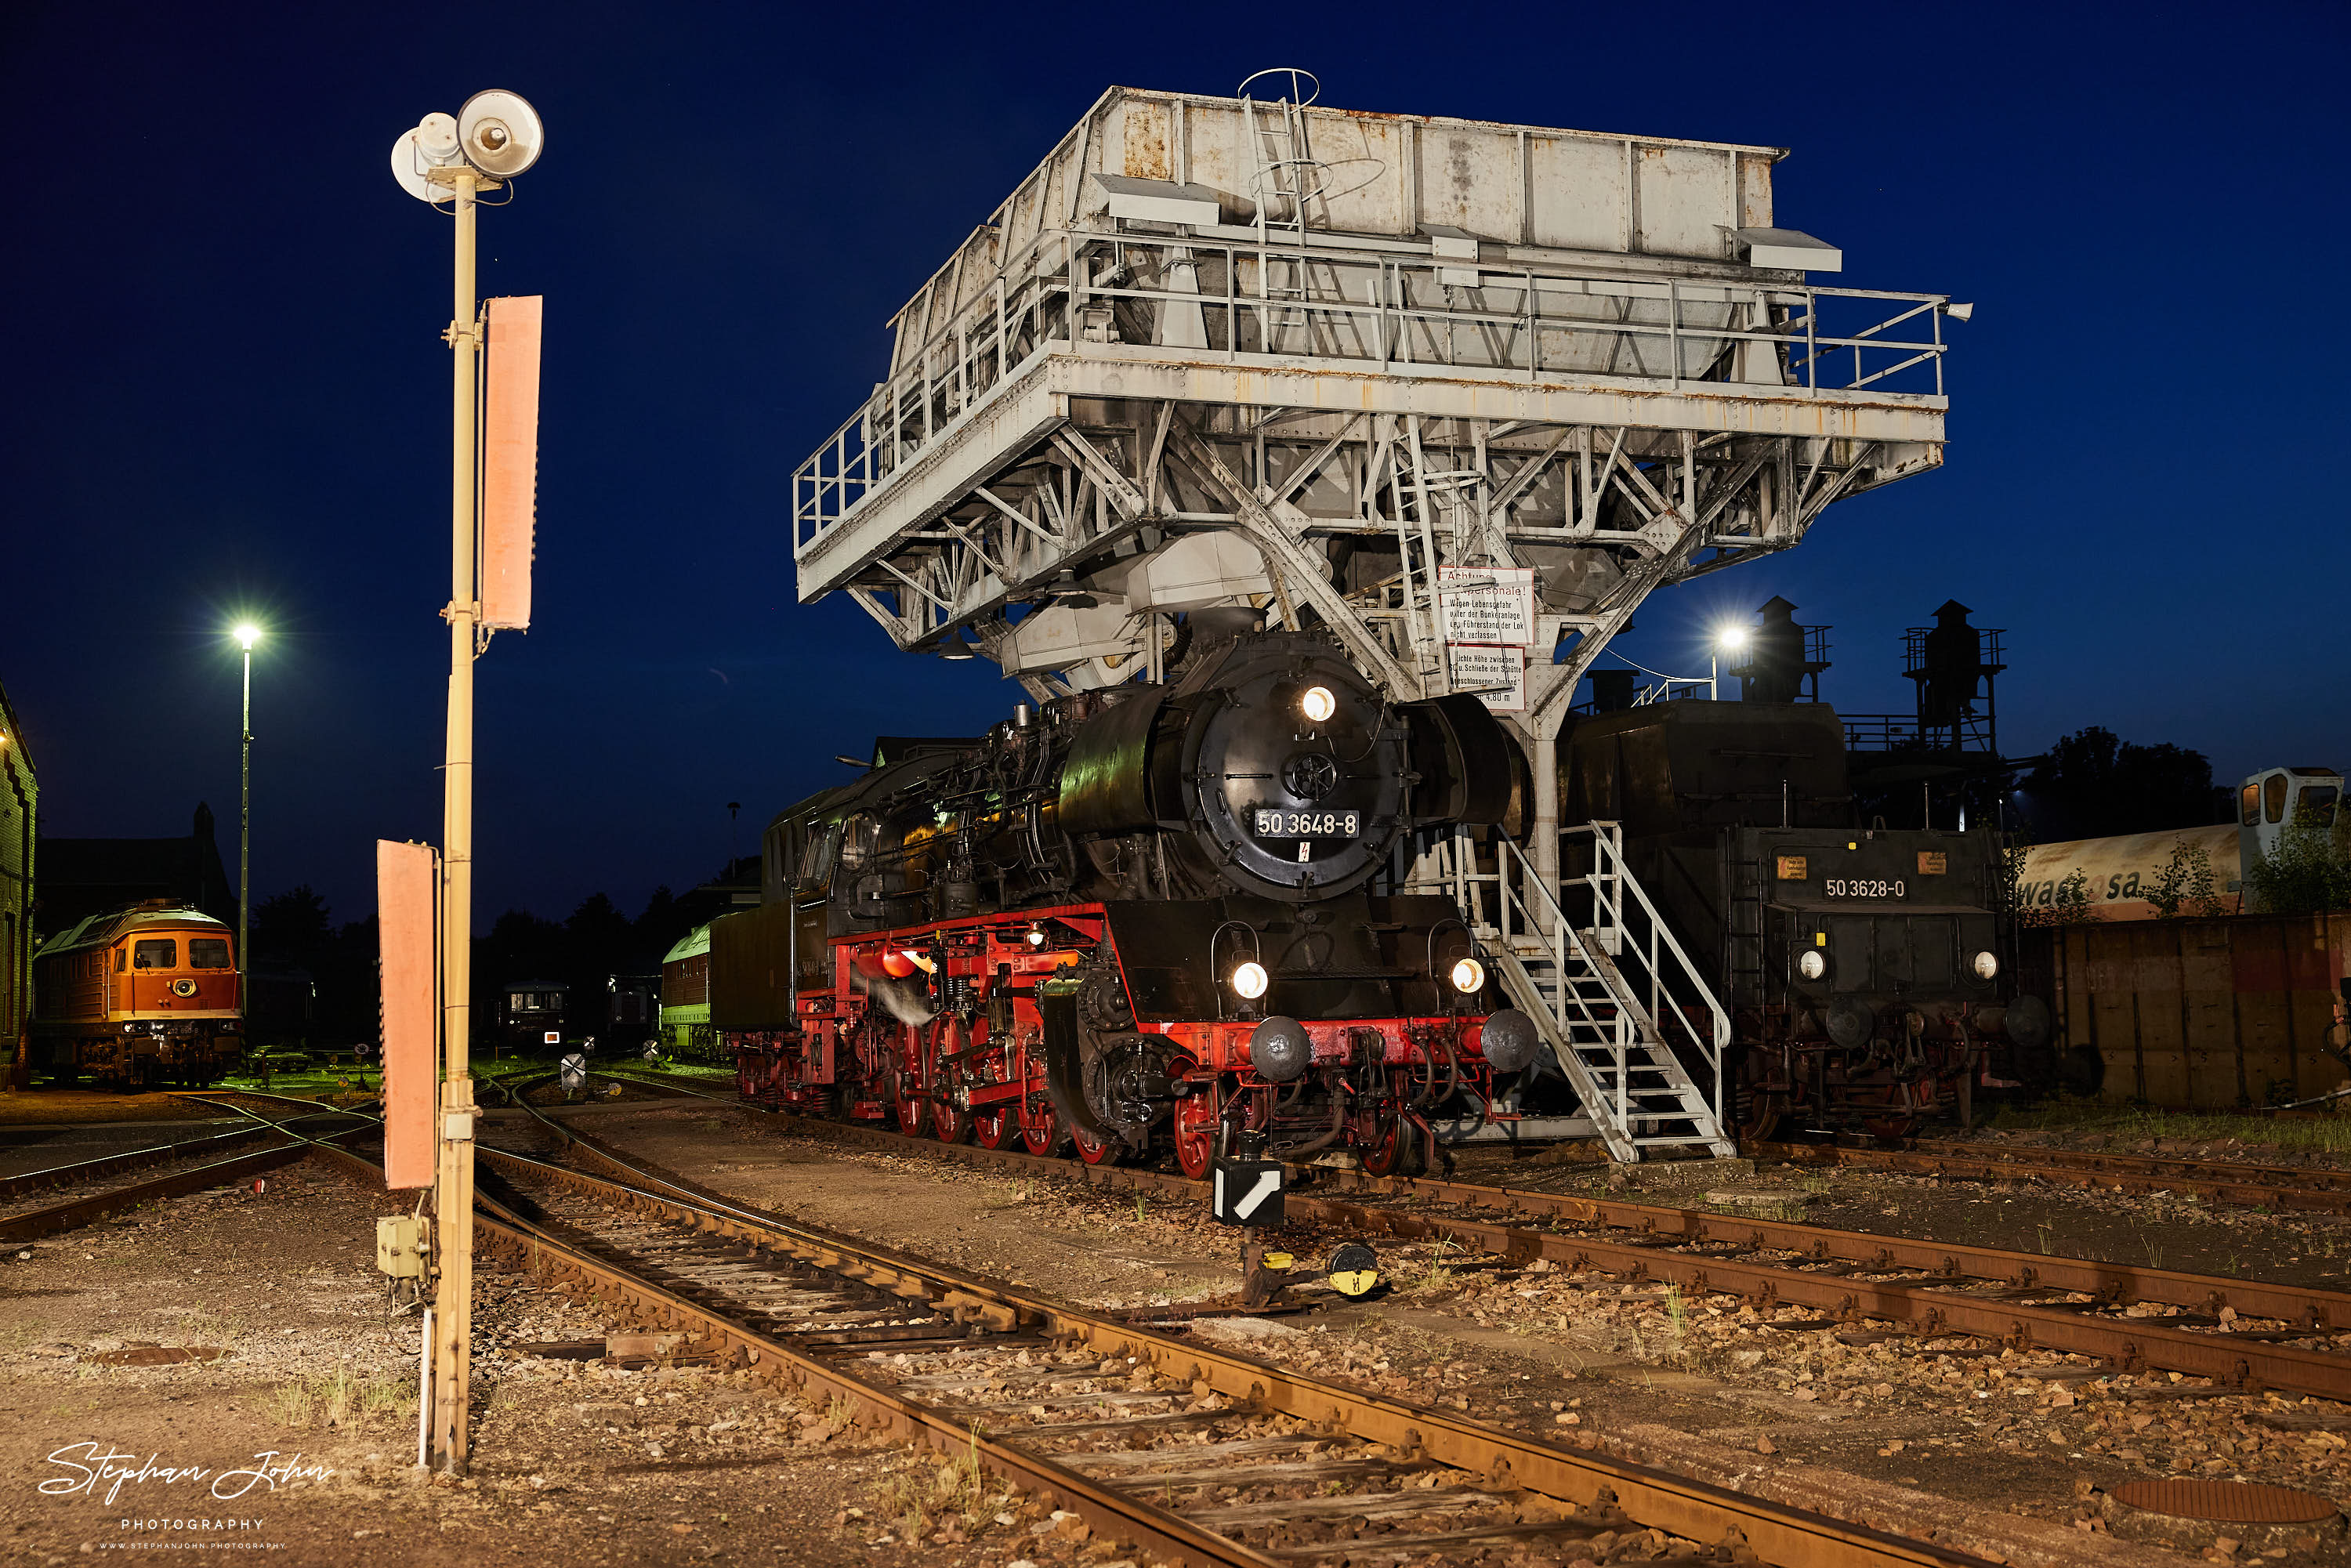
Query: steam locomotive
1133, 919
1869, 971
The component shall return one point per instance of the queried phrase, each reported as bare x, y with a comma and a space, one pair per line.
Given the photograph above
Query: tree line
297, 930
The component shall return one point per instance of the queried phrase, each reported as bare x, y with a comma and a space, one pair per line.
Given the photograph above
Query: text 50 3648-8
1280, 824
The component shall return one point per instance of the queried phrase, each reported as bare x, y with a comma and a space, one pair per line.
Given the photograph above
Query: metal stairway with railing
1618, 1004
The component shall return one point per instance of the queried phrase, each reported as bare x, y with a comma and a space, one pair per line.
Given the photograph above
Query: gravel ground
2157, 1231
582, 1463
313, 1385
2015, 1449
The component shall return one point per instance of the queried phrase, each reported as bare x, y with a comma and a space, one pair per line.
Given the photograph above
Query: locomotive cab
138, 996
2277, 800
1877, 920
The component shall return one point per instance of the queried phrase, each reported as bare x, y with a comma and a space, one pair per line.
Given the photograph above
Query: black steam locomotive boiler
1135, 917
1867, 969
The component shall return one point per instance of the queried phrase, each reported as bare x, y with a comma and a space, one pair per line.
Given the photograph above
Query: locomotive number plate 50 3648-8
1279, 824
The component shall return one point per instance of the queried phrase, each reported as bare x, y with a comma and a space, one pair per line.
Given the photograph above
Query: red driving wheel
950, 1123
1383, 1142
1194, 1135
906, 1085
1032, 1113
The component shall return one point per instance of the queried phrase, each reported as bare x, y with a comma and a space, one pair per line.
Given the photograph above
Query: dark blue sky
229, 395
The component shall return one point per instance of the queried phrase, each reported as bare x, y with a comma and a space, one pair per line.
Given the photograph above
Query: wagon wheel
950, 1123
1897, 1119
1759, 1114
1194, 1133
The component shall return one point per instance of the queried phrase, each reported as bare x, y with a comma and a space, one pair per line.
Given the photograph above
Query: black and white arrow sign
1246, 1192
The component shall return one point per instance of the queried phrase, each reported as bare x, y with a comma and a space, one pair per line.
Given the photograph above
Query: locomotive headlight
1987, 966
1036, 937
1250, 981
1469, 976
1812, 965
1318, 705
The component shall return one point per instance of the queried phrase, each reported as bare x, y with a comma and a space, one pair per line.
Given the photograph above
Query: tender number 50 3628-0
1840, 887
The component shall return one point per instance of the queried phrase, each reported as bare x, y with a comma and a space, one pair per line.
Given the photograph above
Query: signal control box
401, 1244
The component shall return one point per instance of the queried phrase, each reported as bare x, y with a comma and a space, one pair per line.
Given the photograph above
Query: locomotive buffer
1461, 393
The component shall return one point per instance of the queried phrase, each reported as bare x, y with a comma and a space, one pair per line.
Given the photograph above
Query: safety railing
1674, 991
1973, 731
1220, 299
1513, 912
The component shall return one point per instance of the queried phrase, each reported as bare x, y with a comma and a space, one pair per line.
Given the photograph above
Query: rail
1402, 311
756, 1341
1920, 1286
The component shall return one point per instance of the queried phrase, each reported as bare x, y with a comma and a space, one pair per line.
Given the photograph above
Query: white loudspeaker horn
432, 145
500, 133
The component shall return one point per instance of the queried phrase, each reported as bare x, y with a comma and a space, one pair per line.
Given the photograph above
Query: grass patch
914, 1497
342, 1402
2329, 1134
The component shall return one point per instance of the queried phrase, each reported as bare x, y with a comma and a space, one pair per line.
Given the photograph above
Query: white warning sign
1495, 605
1496, 677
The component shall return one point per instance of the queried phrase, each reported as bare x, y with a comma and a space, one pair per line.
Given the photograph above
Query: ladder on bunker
1744, 949
1613, 1002
1287, 174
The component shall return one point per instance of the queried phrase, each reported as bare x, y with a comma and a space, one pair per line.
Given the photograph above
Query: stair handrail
1452, 867
1517, 876
1608, 863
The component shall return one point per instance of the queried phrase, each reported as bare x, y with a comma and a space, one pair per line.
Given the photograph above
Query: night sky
229, 395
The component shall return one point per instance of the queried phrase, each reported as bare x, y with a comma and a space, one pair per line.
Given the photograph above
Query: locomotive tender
1135, 917
1868, 971
138, 996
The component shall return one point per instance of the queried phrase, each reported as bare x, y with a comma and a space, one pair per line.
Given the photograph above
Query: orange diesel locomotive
137, 999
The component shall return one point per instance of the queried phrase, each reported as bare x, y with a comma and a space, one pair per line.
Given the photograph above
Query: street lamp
246, 634
1729, 640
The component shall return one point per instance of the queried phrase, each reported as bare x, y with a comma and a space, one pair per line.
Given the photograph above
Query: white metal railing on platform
1390, 304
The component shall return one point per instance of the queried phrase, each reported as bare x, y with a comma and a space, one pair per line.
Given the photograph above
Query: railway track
2286, 1337
2275, 1187
1196, 1455
92, 1195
